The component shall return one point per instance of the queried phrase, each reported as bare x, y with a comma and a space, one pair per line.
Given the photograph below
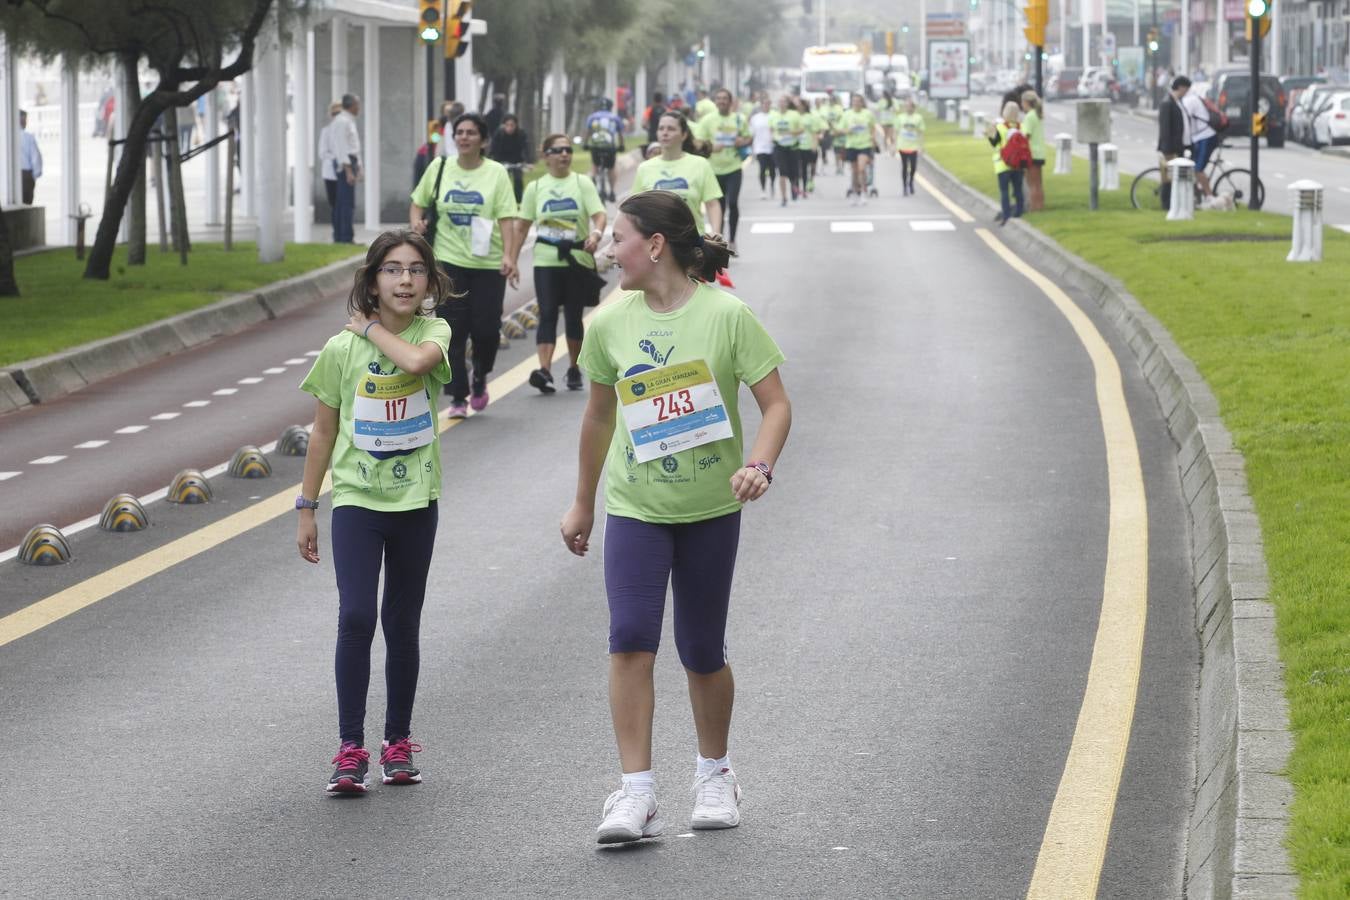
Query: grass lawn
1272, 338
59, 308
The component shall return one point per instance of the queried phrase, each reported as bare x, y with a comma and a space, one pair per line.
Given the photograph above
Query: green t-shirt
833, 112
812, 125
886, 113
722, 132
1034, 129
785, 126
690, 176
909, 129
561, 208
857, 126
703, 108
626, 338
351, 368
484, 194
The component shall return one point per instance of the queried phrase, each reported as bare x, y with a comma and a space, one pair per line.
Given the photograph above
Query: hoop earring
655, 258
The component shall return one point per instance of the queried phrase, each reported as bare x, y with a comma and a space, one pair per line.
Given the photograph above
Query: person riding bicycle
604, 139
510, 146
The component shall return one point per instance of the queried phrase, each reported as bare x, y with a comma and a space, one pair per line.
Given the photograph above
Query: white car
1095, 82
1309, 99
1331, 122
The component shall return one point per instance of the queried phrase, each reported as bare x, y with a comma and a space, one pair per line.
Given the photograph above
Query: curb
49, 377
1240, 803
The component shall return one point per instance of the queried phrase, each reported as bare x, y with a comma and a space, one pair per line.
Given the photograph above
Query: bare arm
320, 453
417, 359
415, 222
597, 430
750, 484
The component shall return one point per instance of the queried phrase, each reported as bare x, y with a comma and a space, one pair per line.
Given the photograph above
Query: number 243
670, 406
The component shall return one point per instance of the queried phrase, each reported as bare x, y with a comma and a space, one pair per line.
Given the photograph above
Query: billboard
948, 69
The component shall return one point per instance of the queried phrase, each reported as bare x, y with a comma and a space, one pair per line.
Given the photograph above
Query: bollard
1307, 201
964, 113
1063, 153
1110, 167
1183, 190
978, 129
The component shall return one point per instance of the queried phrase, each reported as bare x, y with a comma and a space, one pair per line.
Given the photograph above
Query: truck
832, 67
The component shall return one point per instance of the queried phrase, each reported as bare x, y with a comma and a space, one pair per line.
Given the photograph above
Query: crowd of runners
655, 407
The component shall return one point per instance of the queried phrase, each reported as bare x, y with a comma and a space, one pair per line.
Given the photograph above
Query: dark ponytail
701, 256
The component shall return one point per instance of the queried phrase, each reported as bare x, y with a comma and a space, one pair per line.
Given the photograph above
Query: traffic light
1153, 40
429, 17
1259, 11
457, 28
1038, 16
1258, 124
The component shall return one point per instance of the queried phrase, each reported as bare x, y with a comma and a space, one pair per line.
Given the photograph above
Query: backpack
1016, 150
1218, 119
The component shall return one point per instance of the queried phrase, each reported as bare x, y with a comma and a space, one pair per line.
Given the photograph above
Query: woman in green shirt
681, 170
1033, 126
473, 203
909, 141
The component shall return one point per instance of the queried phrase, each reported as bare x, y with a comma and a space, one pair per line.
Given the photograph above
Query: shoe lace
625, 803
399, 751
349, 756
711, 789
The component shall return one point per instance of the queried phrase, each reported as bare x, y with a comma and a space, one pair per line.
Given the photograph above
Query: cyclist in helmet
604, 140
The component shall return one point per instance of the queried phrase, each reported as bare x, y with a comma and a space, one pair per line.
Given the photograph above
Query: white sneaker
717, 800
629, 817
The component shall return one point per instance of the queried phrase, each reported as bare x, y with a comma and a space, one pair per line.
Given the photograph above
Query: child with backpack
1012, 156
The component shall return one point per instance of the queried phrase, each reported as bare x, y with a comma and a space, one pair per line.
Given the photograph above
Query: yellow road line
942, 198
90, 591
1073, 848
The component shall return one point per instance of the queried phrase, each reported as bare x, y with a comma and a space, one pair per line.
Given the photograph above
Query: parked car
1095, 82
1331, 119
1232, 91
1300, 117
1064, 85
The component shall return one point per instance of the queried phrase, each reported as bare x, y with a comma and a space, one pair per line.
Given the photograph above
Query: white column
1220, 36
1185, 68
611, 79
337, 32
557, 122
11, 191
121, 125
465, 85
1276, 63
248, 148
370, 113
672, 76
70, 145
639, 101
268, 162
923, 37
1086, 22
213, 158
302, 121
1064, 28
1135, 42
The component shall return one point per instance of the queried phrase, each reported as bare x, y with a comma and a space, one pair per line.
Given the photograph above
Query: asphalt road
913, 620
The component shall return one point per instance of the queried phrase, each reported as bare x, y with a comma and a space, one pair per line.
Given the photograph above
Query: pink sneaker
396, 765
457, 411
478, 396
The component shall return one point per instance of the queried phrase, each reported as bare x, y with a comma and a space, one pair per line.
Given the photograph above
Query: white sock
708, 766
639, 782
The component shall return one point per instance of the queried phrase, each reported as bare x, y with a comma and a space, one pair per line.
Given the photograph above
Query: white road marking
131, 429
1342, 188
225, 392
90, 445
772, 228
193, 404
275, 370
1280, 177
164, 417
45, 460
317, 352
850, 227
248, 381
875, 217
6, 476
295, 362
933, 225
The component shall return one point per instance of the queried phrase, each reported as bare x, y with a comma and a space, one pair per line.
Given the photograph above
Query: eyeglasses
394, 270
554, 151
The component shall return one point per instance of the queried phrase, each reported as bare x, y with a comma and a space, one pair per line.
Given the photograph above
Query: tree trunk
8, 286
130, 176
117, 204
527, 104
181, 242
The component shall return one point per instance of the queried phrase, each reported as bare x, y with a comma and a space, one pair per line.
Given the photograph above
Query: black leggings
731, 201
766, 170
558, 287
806, 161
909, 162
785, 159
362, 540
478, 315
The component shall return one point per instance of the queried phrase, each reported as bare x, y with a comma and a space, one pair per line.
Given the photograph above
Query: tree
186, 42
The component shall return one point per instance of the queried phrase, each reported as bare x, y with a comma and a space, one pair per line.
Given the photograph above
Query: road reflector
526, 318
294, 441
124, 513
44, 545
249, 462
512, 329
189, 486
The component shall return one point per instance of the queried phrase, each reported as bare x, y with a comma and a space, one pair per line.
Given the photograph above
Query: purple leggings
697, 559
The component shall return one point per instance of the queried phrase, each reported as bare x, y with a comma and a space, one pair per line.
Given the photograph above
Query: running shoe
629, 817
478, 395
573, 378
543, 380
763, 196
784, 201
396, 765
352, 773
457, 409
717, 800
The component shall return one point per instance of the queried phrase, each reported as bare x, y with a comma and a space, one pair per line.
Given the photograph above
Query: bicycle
1245, 188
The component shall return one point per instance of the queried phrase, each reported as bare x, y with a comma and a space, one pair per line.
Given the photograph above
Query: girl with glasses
374, 386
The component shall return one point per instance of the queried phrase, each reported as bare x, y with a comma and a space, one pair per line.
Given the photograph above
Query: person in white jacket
327, 157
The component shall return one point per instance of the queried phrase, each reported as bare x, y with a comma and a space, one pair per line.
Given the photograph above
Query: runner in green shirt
728, 133
887, 109
786, 126
859, 127
833, 112
680, 170
909, 141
